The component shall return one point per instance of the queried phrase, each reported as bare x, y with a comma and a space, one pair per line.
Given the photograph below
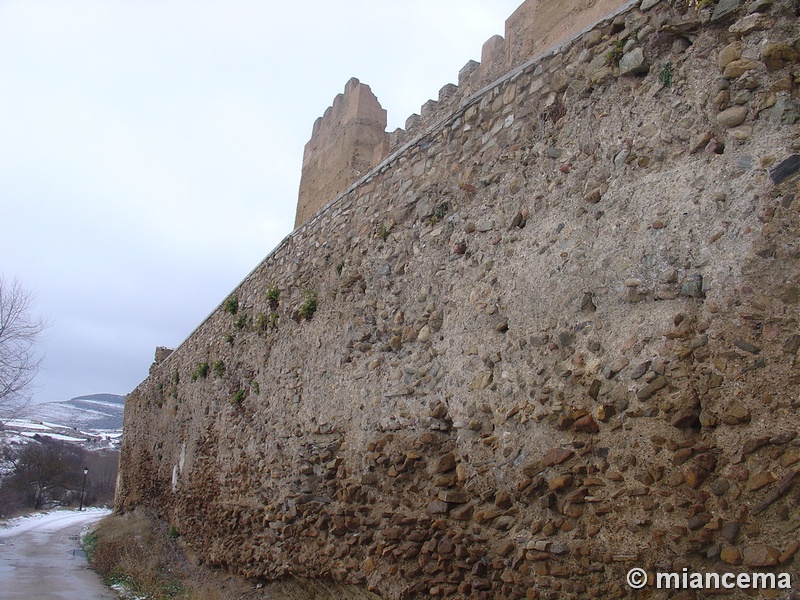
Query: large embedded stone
785, 169
633, 63
761, 555
651, 388
724, 8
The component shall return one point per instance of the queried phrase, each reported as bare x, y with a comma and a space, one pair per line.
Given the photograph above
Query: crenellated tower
346, 142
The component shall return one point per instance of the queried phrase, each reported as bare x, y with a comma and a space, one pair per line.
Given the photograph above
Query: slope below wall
555, 338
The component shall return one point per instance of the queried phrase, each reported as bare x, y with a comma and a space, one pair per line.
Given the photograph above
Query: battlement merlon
538, 25
346, 142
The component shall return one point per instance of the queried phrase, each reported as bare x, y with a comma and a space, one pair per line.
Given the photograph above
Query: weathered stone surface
737, 68
633, 63
733, 116
759, 480
445, 463
453, 496
351, 136
731, 555
685, 418
556, 456
785, 169
645, 393
586, 424
729, 531
777, 55
735, 414
761, 555
445, 328
729, 53
462, 512
504, 548
724, 8
438, 507
693, 286
560, 482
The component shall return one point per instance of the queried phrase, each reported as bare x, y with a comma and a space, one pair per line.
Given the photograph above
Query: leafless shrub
19, 362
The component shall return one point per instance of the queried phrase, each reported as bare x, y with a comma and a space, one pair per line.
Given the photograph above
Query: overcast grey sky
150, 151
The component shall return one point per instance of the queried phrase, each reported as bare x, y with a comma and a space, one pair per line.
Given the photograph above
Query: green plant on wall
256, 389
237, 397
231, 304
201, 372
273, 297
666, 75
383, 233
219, 368
309, 305
439, 213
614, 55
242, 322
265, 322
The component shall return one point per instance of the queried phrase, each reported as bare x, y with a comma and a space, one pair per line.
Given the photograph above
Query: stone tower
346, 142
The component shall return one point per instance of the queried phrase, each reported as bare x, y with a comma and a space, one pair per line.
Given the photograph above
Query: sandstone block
778, 55
462, 512
729, 53
445, 463
737, 68
586, 424
453, 496
504, 548
733, 116
724, 8
556, 456
735, 414
731, 555
633, 63
651, 388
759, 480
761, 555
559, 482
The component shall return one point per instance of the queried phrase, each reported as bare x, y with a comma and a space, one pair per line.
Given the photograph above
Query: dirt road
41, 557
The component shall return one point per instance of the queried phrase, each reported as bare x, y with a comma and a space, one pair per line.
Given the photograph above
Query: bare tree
19, 362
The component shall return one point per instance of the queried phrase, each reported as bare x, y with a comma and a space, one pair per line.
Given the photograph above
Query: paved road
41, 559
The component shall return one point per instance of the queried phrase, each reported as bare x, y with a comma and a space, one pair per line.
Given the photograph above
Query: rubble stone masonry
552, 336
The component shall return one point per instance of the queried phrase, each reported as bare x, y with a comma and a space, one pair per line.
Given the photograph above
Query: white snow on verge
55, 519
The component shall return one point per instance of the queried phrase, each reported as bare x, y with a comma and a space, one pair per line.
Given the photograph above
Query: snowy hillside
98, 411
94, 421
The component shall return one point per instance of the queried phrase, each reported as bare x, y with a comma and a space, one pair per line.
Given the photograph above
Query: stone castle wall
551, 337
349, 139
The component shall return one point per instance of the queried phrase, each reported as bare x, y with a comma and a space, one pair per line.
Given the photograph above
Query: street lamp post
83, 489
